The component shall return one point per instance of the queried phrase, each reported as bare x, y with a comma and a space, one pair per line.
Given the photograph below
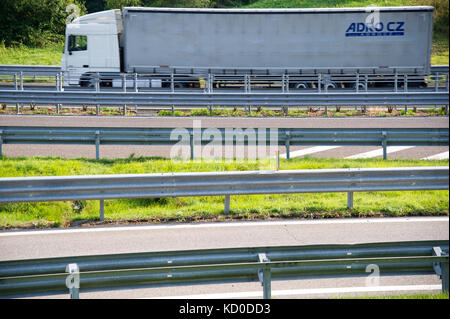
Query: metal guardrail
193, 99
207, 90
101, 187
30, 69
49, 276
190, 137
439, 68
57, 68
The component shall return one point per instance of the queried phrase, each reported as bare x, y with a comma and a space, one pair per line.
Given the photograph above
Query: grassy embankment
388, 111
408, 296
63, 214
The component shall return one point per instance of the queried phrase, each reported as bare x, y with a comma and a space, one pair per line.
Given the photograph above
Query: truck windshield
77, 43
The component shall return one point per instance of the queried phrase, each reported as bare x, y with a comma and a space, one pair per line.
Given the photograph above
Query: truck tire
300, 85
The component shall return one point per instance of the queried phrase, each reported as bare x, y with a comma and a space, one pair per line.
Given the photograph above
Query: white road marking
309, 292
439, 156
309, 150
379, 152
225, 224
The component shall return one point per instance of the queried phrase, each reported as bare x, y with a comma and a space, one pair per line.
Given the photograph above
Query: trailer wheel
361, 86
301, 85
331, 84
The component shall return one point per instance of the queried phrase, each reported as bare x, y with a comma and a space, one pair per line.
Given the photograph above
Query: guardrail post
319, 82
406, 83
73, 280
97, 145
210, 109
1, 143
287, 83
61, 81
357, 82
21, 80
191, 142
350, 200
384, 144
445, 281
97, 82
102, 209
441, 268
227, 204
396, 82
288, 144
436, 82
265, 276
16, 87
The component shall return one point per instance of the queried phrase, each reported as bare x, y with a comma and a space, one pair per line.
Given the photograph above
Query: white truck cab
92, 45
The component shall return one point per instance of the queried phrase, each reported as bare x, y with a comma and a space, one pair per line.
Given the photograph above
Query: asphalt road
71, 151
141, 238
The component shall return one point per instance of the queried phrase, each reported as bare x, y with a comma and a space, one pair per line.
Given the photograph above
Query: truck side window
77, 43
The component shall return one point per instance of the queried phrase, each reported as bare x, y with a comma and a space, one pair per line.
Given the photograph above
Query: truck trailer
190, 43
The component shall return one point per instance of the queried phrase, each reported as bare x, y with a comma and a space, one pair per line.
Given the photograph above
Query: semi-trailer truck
189, 43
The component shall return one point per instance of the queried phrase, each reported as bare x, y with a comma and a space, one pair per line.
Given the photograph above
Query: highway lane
71, 151
15, 245
224, 122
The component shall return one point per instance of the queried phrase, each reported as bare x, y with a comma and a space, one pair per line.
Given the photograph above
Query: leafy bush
34, 22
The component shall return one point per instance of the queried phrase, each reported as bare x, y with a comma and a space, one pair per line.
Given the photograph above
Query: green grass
50, 55
333, 3
57, 214
440, 55
293, 112
408, 296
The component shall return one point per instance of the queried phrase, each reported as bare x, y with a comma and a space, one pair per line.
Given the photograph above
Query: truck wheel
332, 85
301, 85
361, 86
86, 80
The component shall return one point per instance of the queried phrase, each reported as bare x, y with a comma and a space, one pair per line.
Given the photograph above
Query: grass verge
155, 210
338, 111
407, 296
18, 55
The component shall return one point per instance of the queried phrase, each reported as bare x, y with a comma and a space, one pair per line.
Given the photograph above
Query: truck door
78, 58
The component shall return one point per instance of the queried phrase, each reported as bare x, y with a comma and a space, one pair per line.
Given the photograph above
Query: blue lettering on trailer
361, 29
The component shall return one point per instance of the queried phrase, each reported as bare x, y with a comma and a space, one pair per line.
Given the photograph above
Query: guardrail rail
49, 276
101, 187
286, 137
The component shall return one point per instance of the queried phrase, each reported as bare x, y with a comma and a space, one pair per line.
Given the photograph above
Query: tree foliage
119, 4
34, 22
